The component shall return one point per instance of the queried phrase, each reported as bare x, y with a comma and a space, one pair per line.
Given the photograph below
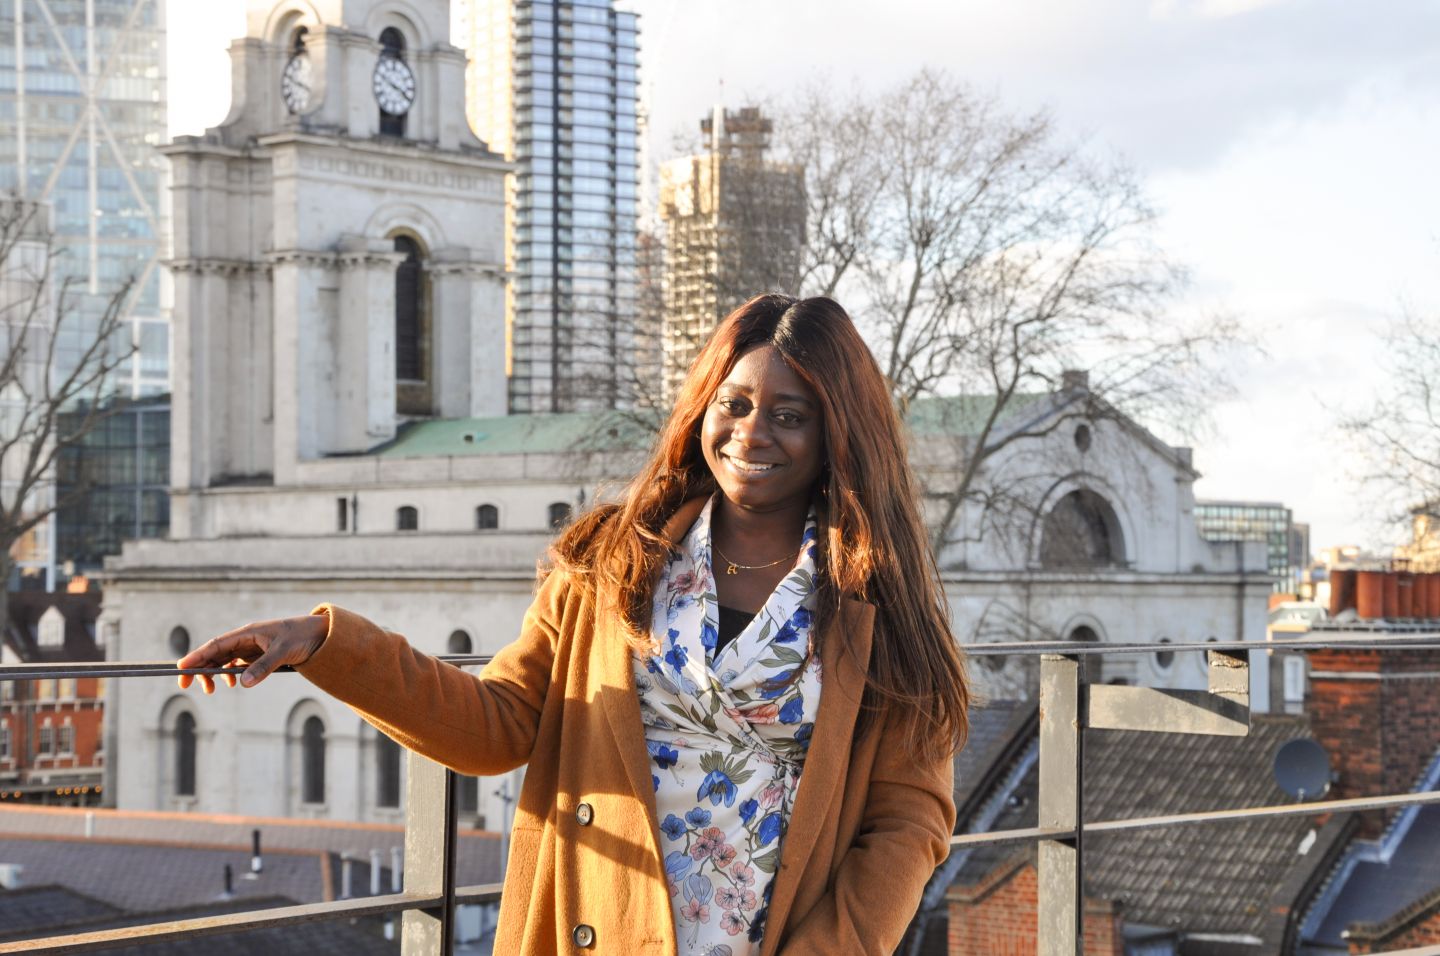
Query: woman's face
762, 435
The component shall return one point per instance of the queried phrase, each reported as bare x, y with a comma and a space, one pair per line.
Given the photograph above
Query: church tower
338, 248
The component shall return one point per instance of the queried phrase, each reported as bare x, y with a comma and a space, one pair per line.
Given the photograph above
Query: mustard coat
870, 822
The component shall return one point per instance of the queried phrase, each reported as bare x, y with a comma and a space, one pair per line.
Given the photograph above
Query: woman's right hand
263, 647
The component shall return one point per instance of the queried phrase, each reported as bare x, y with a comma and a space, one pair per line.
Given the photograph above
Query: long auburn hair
874, 546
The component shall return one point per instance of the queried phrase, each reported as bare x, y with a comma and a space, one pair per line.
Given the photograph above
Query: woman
736, 690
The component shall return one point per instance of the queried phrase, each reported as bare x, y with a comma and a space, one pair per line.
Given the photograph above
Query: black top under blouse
732, 622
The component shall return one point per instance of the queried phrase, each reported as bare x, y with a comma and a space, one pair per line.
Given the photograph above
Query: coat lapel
617, 681
844, 661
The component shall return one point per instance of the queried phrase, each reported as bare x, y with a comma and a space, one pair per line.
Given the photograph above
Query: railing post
1060, 910
429, 857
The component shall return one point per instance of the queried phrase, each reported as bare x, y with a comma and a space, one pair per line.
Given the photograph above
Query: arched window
1090, 664
387, 767
1164, 660
1081, 531
409, 306
179, 642
407, 518
487, 518
392, 46
185, 754
559, 514
459, 643
312, 761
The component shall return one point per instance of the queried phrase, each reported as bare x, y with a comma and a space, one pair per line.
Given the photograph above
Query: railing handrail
1050, 838
1428, 640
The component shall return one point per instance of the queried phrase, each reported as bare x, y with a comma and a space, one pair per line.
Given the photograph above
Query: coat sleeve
904, 835
477, 725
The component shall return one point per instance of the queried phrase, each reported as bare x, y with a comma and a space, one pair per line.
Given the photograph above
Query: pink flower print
711, 839
727, 898
732, 922
742, 875
695, 912
771, 795
764, 714
723, 855
747, 900
682, 582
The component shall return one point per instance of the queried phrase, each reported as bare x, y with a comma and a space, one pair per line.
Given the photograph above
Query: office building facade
1266, 521
552, 84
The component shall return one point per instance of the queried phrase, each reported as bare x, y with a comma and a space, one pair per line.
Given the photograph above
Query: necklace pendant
732, 569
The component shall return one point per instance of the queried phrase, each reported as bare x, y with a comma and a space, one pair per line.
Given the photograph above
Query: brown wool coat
869, 826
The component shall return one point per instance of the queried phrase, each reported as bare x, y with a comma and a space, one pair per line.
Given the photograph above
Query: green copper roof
521, 434
634, 430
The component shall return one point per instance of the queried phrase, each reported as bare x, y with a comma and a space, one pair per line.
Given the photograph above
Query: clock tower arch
343, 202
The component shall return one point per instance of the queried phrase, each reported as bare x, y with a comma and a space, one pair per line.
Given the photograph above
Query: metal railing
1068, 705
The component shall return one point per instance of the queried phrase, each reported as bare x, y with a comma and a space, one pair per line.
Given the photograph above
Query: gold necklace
733, 568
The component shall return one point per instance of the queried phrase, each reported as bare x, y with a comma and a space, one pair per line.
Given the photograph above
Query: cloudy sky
1292, 146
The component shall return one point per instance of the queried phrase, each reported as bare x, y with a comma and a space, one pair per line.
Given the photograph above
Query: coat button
584, 814
584, 936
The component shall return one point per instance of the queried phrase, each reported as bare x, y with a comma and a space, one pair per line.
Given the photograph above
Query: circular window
1082, 438
179, 642
1164, 659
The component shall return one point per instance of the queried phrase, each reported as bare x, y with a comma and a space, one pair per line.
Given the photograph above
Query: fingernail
246, 679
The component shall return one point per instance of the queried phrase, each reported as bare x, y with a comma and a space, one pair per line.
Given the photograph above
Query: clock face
295, 83
394, 85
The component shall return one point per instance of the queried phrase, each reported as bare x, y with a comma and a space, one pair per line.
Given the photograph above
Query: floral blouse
727, 735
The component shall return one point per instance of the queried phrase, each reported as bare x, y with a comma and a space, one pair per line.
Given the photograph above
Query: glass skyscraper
82, 108
552, 85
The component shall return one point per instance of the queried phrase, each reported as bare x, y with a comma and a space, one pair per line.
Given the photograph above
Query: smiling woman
739, 755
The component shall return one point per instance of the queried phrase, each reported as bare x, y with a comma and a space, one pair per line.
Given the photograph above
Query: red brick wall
1381, 731
997, 918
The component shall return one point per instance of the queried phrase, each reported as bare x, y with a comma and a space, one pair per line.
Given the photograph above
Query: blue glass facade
82, 109
575, 96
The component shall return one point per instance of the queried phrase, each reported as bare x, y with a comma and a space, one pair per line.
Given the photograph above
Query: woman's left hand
263, 646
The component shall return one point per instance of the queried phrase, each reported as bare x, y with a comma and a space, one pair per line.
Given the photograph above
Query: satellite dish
1302, 769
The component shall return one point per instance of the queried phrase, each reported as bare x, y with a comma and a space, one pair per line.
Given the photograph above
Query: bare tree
984, 257
49, 401
1398, 432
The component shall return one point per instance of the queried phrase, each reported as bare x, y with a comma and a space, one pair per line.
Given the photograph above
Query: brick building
51, 730
1369, 882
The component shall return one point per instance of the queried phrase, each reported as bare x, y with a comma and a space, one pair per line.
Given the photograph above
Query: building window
47, 740
1090, 664
65, 740
66, 688
467, 794
407, 518
4, 741
312, 761
1081, 531
179, 642
459, 643
412, 330
387, 765
487, 518
185, 755
342, 514
1164, 660
559, 514
392, 45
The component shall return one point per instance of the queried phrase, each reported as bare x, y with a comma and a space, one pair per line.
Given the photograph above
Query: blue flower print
769, 828
801, 617
676, 657
717, 787
677, 864
786, 634
792, 712
699, 887
665, 757
708, 636
747, 810
777, 685
682, 602
698, 818
652, 664
673, 827
655, 782
803, 734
